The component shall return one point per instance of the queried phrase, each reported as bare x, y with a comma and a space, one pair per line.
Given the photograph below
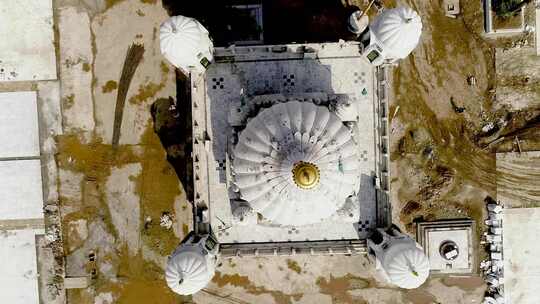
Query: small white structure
243, 214
394, 34
192, 265
186, 44
401, 258
451, 8
358, 22
296, 163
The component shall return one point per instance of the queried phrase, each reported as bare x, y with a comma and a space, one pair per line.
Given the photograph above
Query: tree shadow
172, 124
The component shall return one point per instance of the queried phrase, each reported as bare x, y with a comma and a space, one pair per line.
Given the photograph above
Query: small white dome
303, 137
243, 214
406, 265
398, 30
189, 270
185, 42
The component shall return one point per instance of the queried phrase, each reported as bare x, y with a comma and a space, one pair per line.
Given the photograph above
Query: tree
508, 8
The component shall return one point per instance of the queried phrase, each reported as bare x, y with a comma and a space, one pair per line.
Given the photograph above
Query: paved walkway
22, 224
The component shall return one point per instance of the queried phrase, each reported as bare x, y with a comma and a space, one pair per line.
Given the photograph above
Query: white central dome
304, 138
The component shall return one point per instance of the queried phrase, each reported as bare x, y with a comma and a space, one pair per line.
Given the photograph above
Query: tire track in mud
518, 179
424, 84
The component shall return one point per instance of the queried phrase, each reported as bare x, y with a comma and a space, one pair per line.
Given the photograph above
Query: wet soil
159, 189
339, 288
464, 283
243, 281
420, 297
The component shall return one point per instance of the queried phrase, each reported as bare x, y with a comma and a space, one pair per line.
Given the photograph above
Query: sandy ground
438, 169
111, 200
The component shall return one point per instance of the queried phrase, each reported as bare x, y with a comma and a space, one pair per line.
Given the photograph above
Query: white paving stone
21, 190
19, 276
27, 40
19, 132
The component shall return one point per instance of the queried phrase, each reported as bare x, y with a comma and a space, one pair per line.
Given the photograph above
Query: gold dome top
305, 175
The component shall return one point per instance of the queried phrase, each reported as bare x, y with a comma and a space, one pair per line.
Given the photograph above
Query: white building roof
406, 265
21, 189
189, 270
184, 42
271, 146
18, 277
521, 244
19, 133
260, 75
27, 45
398, 30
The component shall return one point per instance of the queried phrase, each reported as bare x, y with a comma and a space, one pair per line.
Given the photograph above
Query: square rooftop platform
239, 78
431, 235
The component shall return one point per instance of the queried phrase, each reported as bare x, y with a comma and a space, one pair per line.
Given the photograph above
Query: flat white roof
21, 190
19, 277
27, 45
19, 131
521, 245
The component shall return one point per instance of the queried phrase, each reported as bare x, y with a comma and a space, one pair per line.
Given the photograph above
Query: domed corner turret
186, 44
402, 260
393, 35
243, 214
192, 265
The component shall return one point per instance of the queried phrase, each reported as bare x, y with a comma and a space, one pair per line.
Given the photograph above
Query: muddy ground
112, 199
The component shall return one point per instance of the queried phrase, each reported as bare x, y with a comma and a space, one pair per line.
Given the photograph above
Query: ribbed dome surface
188, 271
407, 266
399, 31
283, 136
182, 39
